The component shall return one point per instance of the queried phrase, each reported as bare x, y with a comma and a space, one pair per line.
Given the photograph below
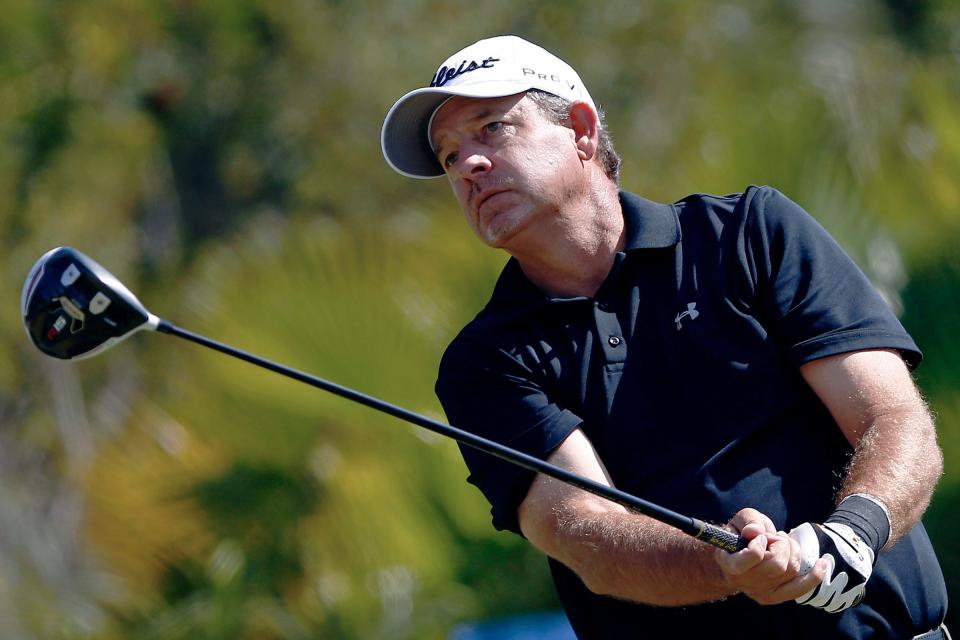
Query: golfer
720, 355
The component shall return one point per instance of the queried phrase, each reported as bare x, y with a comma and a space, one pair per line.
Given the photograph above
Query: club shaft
705, 532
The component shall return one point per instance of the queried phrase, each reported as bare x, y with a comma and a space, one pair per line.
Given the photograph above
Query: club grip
720, 538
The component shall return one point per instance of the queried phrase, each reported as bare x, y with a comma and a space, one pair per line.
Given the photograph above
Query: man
721, 356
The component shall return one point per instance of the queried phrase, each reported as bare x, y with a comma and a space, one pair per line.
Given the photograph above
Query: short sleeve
815, 298
488, 392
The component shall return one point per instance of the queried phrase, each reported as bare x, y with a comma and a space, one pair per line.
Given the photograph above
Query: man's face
511, 169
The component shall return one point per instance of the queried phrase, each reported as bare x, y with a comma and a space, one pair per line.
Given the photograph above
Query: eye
493, 127
450, 159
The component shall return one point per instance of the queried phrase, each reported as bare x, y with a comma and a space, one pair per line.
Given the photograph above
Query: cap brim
404, 138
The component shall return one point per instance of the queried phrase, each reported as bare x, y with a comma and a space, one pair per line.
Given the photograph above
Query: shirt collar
650, 225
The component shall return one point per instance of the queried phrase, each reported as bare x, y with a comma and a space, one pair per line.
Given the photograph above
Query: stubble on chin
503, 225
493, 235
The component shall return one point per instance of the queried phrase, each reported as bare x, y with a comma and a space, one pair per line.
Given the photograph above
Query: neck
576, 255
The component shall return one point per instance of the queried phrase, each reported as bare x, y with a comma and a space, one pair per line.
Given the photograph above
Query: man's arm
874, 400
629, 556
887, 486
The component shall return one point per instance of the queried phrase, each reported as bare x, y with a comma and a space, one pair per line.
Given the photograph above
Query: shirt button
614, 341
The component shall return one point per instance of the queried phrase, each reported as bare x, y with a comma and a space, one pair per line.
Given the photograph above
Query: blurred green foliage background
222, 158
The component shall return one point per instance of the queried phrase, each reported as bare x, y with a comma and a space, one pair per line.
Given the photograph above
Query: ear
584, 122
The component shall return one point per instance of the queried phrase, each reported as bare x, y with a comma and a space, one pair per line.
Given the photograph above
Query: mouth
487, 194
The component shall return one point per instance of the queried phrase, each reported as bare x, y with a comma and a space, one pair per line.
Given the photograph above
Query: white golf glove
850, 561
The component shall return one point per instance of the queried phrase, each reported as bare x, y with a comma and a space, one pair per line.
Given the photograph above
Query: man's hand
849, 564
768, 570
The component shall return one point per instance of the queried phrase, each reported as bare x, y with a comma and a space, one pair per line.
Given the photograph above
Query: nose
474, 161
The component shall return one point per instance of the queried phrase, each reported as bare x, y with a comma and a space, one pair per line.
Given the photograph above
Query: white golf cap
490, 68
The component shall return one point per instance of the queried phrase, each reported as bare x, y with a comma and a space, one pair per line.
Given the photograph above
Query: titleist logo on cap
446, 74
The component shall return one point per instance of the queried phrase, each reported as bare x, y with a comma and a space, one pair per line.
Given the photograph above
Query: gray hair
557, 110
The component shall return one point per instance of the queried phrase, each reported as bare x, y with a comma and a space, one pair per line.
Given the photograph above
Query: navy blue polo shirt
682, 371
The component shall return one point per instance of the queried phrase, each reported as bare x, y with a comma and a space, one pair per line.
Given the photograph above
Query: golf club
73, 308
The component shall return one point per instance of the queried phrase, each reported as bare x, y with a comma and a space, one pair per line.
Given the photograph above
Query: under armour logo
691, 313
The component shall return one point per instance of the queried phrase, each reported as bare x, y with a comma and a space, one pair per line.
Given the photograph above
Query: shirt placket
609, 333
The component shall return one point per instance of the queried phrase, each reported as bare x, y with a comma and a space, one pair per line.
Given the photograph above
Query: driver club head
73, 308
